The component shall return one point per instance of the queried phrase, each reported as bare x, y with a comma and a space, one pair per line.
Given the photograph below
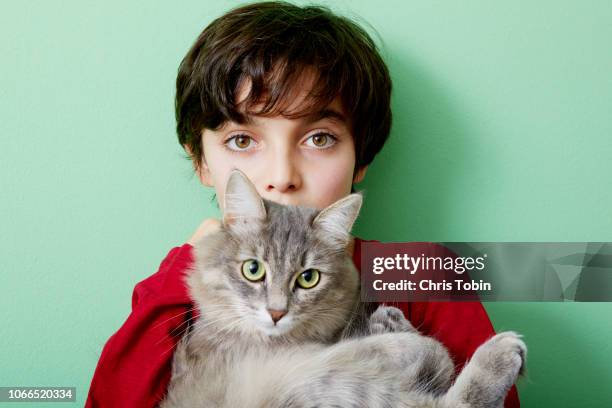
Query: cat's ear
242, 202
336, 221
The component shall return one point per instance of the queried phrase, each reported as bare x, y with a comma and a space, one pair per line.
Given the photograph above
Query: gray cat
282, 324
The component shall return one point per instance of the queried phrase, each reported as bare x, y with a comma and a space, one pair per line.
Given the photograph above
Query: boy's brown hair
272, 44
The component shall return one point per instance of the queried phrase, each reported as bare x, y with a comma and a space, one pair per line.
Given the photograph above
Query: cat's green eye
308, 279
253, 270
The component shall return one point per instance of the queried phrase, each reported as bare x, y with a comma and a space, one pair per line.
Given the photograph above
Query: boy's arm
135, 365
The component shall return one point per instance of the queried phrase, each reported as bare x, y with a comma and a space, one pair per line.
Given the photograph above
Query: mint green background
502, 132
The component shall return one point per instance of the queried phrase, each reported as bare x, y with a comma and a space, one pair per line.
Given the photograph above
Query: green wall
501, 132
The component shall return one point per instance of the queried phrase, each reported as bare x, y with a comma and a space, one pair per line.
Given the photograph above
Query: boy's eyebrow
327, 113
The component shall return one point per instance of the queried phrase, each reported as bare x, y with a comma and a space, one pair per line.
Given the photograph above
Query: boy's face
307, 161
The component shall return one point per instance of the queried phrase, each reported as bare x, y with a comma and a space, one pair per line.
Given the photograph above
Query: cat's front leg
370, 319
389, 319
487, 377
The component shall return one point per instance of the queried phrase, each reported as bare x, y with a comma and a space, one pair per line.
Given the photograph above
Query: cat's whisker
185, 322
180, 334
232, 323
197, 328
175, 316
185, 328
215, 323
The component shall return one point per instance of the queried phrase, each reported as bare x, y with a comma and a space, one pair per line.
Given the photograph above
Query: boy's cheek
332, 197
329, 189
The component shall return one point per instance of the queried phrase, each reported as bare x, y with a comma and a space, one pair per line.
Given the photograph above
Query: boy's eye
239, 142
321, 140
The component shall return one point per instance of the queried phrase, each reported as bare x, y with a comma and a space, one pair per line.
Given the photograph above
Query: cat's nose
276, 314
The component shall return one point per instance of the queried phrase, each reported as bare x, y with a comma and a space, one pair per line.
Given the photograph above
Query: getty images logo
411, 264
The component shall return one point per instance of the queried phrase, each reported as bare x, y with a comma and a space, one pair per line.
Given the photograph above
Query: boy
299, 100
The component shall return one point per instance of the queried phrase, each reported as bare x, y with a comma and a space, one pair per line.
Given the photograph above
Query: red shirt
135, 364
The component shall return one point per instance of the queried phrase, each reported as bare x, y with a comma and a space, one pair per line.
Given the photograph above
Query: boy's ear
204, 175
203, 171
359, 176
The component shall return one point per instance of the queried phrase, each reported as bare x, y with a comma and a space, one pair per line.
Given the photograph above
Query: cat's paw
388, 319
486, 379
502, 355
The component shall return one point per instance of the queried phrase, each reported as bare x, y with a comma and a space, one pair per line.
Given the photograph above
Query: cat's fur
327, 350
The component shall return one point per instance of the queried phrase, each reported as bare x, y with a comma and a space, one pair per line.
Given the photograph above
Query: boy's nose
284, 177
282, 186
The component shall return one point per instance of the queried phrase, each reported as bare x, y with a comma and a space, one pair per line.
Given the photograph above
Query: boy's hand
208, 226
